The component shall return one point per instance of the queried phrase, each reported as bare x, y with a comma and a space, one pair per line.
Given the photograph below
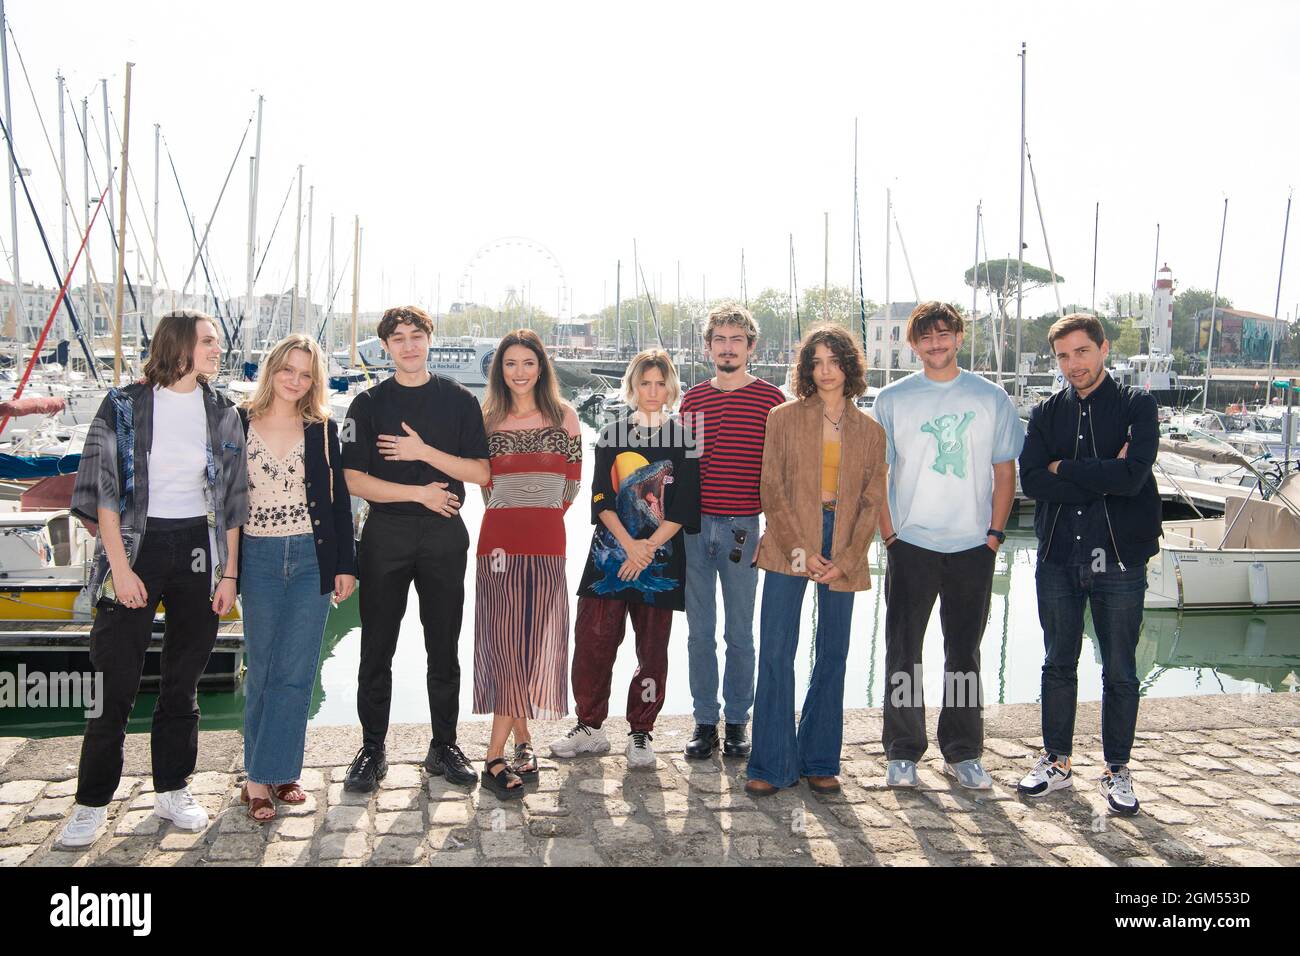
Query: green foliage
1001, 276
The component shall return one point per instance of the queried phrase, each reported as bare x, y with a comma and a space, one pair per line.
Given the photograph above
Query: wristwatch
1000, 535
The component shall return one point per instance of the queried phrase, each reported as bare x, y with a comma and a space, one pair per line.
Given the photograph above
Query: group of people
197, 500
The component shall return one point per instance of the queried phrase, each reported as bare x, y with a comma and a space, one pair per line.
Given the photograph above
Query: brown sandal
255, 804
289, 793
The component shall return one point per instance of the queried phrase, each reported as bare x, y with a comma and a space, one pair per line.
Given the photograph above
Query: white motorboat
1249, 557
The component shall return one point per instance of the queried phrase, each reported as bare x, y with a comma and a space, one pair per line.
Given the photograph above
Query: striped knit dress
521, 602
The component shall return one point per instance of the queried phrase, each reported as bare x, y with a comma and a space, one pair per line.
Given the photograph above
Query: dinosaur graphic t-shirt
942, 440
646, 476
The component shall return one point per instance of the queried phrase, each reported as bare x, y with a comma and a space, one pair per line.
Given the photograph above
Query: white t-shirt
178, 455
942, 440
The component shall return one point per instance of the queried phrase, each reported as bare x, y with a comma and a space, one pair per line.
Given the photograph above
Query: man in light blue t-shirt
952, 439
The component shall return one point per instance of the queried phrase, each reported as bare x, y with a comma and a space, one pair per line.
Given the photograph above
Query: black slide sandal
499, 783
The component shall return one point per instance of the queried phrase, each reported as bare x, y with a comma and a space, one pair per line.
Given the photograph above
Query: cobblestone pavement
1218, 777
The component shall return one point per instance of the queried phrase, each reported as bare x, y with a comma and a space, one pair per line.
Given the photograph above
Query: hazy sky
697, 129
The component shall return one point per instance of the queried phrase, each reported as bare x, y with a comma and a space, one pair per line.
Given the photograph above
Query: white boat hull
1190, 571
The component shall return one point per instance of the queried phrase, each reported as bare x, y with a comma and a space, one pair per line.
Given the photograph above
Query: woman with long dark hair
822, 485
162, 474
297, 555
521, 605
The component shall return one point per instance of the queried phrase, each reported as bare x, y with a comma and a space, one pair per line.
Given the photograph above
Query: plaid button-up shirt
114, 474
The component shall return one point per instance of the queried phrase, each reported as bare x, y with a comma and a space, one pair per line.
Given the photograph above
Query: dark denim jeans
1116, 600
780, 755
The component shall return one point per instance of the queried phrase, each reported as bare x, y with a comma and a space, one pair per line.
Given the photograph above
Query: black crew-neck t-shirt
444, 413
646, 476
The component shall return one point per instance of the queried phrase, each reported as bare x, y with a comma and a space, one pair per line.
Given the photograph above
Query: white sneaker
1050, 773
179, 807
1117, 788
640, 755
581, 740
83, 828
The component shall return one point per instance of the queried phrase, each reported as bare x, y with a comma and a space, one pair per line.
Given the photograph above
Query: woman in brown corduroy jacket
822, 485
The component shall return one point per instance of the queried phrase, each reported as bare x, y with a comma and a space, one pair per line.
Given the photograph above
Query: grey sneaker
970, 774
902, 773
1117, 788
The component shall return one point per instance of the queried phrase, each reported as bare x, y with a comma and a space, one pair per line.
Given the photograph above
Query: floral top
277, 492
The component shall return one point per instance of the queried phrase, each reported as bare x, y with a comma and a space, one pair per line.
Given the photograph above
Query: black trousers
175, 564
394, 551
963, 583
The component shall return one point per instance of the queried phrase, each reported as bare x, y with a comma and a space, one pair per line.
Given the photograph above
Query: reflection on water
1199, 653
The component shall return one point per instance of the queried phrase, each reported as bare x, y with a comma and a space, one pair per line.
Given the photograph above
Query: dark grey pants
962, 582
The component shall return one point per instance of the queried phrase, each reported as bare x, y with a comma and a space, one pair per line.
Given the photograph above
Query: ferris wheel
514, 273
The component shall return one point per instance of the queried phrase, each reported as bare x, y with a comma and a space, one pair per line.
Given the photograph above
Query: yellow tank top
830, 466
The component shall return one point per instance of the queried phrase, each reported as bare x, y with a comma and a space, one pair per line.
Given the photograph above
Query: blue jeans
1116, 599
708, 558
780, 756
284, 624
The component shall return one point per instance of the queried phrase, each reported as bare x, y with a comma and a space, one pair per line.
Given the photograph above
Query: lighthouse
1162, 313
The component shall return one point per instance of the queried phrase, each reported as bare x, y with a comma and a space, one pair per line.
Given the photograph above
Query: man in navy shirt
1087, 462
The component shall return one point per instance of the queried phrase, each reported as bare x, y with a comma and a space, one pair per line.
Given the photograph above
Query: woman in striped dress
521, 606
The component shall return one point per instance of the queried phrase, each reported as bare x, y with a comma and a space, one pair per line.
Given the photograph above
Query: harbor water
1238, 652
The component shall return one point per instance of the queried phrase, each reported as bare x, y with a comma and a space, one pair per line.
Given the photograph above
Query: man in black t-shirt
409, 445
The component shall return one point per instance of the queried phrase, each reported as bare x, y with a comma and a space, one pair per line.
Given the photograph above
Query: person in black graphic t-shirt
410, 444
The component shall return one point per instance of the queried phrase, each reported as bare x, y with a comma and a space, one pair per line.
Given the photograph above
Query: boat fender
1258, 578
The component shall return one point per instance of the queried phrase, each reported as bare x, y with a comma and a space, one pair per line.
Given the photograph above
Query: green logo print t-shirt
941, 442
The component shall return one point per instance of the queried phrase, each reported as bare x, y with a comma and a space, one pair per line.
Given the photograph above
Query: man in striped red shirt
728, 418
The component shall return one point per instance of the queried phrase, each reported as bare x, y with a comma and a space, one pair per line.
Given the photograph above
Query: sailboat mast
307, 327
618, 308
120, 276
85, 184
1277, 302
1214, 308
1096, 226
853, 238
356, 282
826, 267
157, 156
114, 250
889, 348
975, 286
1020, 246
251, 310
1154, 272
329, 300
20, 308
63, 185
297, 245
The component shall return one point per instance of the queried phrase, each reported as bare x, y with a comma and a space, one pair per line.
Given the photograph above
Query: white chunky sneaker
83, 828
179, 807
581, 740
902, 773
640, 755
1117, 788
1050, 773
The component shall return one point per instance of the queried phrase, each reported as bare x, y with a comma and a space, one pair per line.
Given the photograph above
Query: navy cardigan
331, 519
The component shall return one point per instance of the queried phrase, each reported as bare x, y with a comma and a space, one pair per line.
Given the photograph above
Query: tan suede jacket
790, 491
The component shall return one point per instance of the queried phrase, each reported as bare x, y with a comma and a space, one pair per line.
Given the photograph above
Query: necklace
835, 422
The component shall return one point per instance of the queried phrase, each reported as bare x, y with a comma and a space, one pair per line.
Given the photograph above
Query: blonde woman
297, 553
645, 494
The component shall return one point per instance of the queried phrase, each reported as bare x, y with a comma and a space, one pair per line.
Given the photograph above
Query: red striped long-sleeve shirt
732, 425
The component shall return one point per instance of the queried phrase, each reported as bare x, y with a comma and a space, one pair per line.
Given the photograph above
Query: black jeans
1116, 599
962, 582
394, 551
175, 566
